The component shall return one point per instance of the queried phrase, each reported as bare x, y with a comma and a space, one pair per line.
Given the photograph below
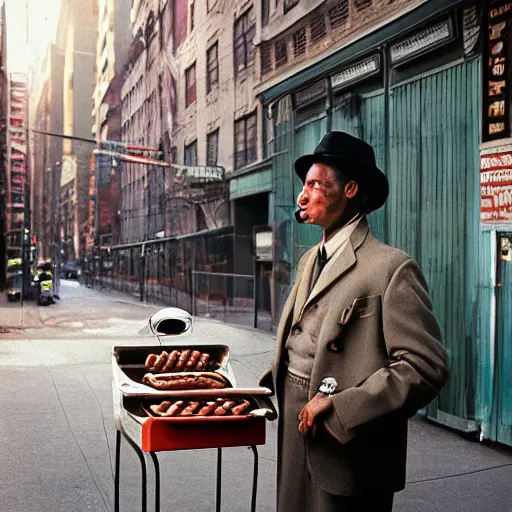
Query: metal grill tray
133, 358
128, 370
145, 405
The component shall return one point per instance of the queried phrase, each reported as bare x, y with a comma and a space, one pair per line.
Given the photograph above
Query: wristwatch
328, 386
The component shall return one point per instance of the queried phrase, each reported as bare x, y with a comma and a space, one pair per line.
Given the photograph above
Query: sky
42, 26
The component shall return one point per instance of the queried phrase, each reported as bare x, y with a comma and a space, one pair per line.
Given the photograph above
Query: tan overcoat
373, 303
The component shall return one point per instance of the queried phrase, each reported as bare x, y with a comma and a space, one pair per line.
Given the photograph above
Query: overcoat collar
342, 261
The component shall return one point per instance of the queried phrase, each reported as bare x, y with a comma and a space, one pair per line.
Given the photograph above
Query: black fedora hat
355, 159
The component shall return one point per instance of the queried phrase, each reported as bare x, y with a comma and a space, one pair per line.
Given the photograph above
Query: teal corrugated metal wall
484, 313
404, 174
283, 201
367, 124
307, 138
372, 113
432, 212
445, 214
503, 397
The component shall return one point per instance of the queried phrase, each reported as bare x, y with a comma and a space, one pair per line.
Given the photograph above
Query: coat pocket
359, 309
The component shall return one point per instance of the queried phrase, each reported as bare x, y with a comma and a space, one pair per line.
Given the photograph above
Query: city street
57, 441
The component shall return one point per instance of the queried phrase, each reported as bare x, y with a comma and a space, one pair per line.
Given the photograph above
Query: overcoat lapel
303, 288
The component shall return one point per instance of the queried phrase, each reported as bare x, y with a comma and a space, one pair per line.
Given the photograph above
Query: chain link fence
190, 272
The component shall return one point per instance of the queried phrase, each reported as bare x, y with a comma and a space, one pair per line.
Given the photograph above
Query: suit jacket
374, 306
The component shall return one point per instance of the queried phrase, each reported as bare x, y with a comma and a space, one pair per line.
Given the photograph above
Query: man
358, 348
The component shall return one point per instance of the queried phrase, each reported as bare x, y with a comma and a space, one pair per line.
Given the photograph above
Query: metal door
503, 362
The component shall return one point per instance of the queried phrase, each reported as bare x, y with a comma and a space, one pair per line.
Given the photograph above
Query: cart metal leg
254, 479
140, 454
116, 478
219, 479
154, 458
156, 464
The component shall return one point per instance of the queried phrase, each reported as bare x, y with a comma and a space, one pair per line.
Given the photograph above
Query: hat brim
371, 179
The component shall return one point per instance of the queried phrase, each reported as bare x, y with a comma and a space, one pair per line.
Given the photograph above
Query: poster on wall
496, 188
496, 72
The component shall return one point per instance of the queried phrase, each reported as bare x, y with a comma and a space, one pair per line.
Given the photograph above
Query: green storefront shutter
307, 138
433, 207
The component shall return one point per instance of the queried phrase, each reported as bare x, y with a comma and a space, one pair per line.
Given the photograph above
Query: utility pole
26, 239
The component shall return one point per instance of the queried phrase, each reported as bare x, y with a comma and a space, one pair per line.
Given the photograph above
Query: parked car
71, 270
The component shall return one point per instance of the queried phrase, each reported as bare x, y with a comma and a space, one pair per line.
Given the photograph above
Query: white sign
69, 167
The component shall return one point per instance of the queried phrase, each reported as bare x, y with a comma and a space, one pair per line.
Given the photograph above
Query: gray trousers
295, 490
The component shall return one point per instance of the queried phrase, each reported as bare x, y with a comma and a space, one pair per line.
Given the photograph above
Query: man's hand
319, 404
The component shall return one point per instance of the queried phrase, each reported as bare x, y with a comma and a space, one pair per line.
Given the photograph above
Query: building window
362, 4
191, 15
244, 34
265, 12
245, 141
212, 67
281, 52
191, 154
173, 155
317, 28
289, 4
338, 14
212, 148
190, 85
179, 18
266, 58
299, 42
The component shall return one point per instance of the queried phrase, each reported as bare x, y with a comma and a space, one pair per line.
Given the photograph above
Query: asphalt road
57, 436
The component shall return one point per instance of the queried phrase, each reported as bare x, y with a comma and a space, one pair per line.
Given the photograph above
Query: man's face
322, 200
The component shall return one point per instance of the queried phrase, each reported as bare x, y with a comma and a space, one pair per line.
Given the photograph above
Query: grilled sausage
207, 409
174, 409
150, 361
182, 360
160, 361
240, 408
185, 381
190, 409
163, 407
220, 411
203, 362
173, 356
192, 361
228, 404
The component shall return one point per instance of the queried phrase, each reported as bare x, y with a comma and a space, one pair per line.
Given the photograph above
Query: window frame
190, 97
210, 83
250, 145
242, 41
193, 145
209, 136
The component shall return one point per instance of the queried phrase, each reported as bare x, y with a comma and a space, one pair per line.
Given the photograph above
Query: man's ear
351, 189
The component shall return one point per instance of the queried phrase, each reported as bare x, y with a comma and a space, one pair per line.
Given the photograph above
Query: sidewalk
60, 419
14, 316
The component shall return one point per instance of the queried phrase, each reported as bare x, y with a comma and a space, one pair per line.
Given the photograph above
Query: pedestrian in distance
358, 346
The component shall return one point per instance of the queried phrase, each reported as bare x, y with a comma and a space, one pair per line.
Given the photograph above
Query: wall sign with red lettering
496, 188
496, 72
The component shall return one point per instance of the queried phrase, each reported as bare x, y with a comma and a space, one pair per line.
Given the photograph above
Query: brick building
4, 91
77, 37
47, 154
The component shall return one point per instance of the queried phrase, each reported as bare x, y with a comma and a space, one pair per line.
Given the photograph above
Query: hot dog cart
167, 398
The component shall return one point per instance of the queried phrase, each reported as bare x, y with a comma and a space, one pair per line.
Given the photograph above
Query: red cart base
168, 434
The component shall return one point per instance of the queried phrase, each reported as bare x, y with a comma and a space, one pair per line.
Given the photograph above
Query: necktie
321, 260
